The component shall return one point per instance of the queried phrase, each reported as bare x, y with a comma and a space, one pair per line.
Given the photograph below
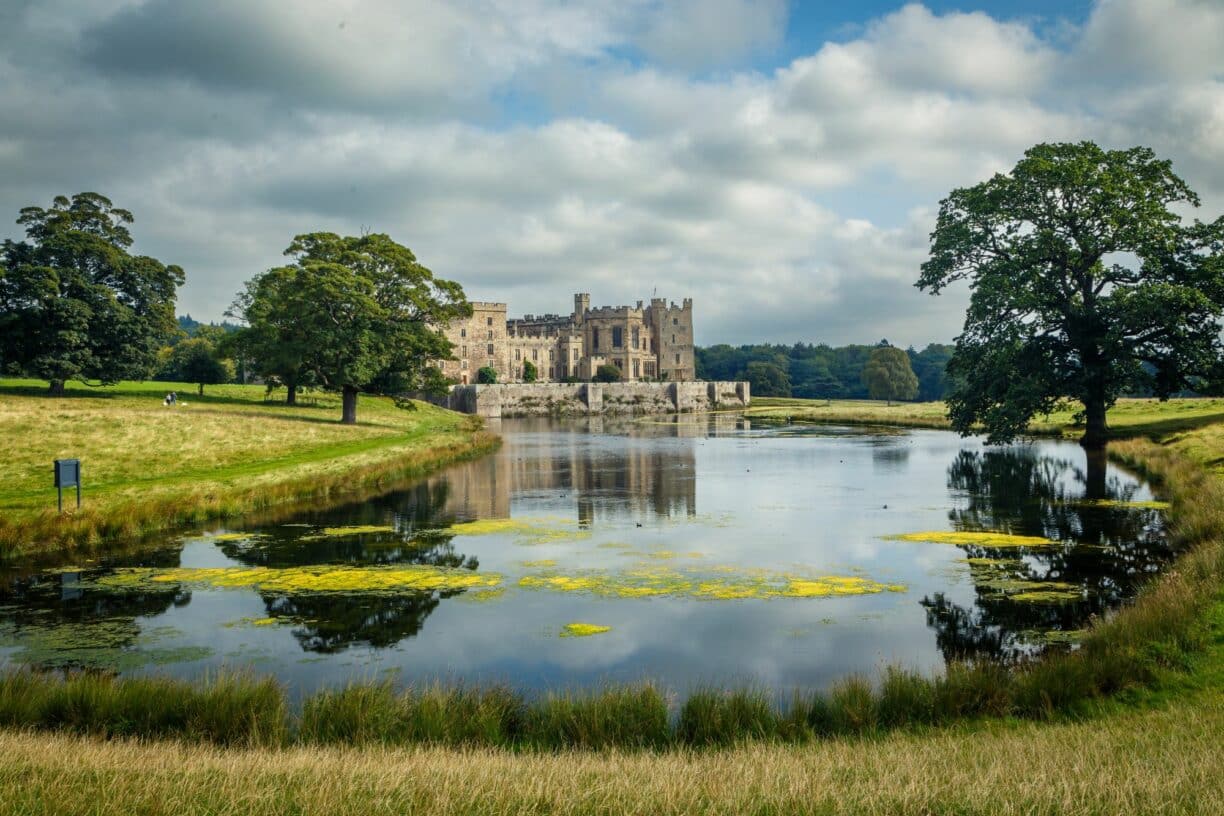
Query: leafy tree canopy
365, 314
530, 372
1084, 283
768, 379
197, 360
888, 375
74, 304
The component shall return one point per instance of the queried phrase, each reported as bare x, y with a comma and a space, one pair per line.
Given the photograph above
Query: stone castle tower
647, 343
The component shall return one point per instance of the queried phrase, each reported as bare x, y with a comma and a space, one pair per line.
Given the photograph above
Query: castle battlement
646, 343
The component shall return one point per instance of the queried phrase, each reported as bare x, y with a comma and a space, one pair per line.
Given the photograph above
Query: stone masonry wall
580, 399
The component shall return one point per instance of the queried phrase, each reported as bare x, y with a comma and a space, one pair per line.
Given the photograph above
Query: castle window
463, 332
550, 355
677, 359
673, 338
490, 334
637, 369
518, 354
675, 321
465, 351
490, 349
575, 355
535, 354
595, 340
488, 321
636, 338
618, 337
464, 366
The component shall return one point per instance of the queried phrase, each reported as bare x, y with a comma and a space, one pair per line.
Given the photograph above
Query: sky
779, 162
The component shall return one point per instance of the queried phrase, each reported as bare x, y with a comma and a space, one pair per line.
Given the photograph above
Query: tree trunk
349, 402
56, 389
201, 389
291, 394
1095, 485
1095, 431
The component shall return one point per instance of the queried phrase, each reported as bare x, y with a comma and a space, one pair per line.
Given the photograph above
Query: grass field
1146, 417
146, 466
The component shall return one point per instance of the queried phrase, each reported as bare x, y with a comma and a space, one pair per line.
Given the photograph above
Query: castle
652, 342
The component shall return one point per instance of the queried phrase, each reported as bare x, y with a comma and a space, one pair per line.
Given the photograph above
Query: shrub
607, 373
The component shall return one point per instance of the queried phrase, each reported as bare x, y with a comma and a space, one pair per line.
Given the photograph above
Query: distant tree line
818, 371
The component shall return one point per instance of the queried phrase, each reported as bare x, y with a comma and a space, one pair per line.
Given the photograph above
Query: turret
582, 302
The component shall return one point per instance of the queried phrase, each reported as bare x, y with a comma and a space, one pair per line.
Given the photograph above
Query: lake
690, 550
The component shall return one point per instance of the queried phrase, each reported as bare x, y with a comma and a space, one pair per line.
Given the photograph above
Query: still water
713, 551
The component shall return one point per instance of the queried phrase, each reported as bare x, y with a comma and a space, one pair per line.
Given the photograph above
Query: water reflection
712, 496
1106, 550
56, 623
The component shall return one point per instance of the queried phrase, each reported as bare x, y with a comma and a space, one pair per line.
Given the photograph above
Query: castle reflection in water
583, 475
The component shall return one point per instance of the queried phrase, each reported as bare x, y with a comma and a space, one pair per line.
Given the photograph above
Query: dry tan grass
1156, 761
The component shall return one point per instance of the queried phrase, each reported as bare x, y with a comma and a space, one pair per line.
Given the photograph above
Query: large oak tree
74, 304
1085, 282
365, 314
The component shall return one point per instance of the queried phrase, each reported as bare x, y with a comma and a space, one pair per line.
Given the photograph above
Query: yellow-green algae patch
999, 563
358, 529
527, 530
543, 562
252, 622
992, 574
483, 595
1137, 505
408, 578
983, 539
705, 584
227, 537
583, 629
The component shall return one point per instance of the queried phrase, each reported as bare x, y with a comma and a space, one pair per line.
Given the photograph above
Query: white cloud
791, 204
701, 34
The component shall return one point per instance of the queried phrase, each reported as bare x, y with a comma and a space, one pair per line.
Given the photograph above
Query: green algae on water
716, 584
357, 529
983, 539
483, 595
583, 629
1135, 505
110, 644
525, 530
226, 538
324, 578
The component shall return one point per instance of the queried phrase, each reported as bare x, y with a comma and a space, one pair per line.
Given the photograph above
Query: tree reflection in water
1106, 551
329, 622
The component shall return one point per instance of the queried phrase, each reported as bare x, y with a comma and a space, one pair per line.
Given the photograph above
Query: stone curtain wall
581, 399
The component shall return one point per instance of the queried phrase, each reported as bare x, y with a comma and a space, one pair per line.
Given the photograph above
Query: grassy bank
1130, 417
1159, 759
148, 467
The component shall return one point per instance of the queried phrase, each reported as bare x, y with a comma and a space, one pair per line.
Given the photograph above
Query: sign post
68, 474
